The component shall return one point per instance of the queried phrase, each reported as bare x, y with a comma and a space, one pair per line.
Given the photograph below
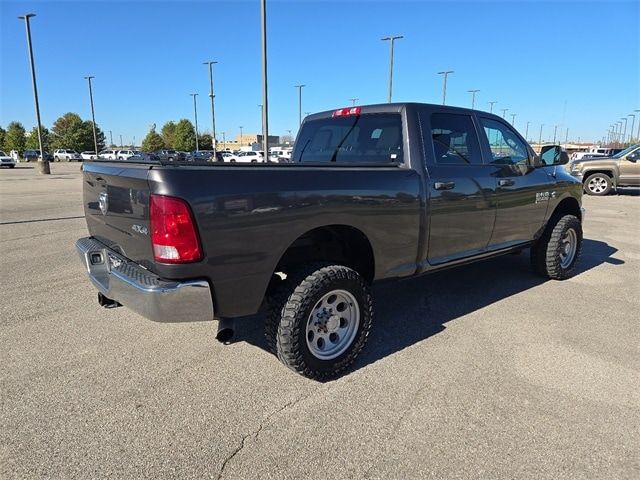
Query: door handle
444, 185
505, 182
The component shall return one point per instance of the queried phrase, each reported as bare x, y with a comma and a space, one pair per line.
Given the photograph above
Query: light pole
555, 131
504, 112
391, 41
353, 101
513, 119
43, 163
624, 133
110, 138
566, 137
195, 114
633, 122
212, 97
638, 133
120, 140
299, 87
526, 133
241, 127
265, 101
444, 85
93, 116
473, 97
540, 138
619, 125
491, 106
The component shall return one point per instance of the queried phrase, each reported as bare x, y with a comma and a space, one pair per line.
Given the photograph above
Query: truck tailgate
116, 207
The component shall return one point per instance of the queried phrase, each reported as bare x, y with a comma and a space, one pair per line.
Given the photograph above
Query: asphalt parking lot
484, 371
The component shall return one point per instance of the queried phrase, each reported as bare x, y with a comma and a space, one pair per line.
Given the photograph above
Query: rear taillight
344, 112
173, 231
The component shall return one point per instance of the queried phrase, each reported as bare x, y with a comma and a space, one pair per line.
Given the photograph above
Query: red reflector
173, 232
343, 112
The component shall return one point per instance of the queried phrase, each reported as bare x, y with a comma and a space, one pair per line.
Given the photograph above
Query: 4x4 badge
103, 201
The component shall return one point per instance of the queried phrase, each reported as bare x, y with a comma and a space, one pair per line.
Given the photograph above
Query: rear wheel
556, 253
598, 184
323, 321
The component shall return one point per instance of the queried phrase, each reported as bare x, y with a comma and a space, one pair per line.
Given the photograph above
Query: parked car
125, 154
374, 193
601, 175
89, 155
109, 154
245, 157
200, 156
6, 160
169, 155
66, 154
31, 155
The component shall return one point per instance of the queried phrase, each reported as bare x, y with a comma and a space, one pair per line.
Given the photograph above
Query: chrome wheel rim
598, 185
568, 247
332, 324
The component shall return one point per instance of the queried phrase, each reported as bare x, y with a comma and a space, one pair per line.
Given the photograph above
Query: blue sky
570, 63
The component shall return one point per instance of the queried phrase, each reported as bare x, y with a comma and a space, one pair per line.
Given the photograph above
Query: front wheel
598, 184
324, 321
556, 252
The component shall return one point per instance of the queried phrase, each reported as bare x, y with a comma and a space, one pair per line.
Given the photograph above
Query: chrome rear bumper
135, 287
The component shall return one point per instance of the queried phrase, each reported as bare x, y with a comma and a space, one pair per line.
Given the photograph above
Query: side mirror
553, 155
633, 157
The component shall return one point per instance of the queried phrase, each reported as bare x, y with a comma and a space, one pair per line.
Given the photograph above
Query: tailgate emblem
103, 201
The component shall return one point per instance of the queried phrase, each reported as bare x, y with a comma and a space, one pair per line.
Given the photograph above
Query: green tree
168, 133
153, 141
15, 139
205, 141
70, 131
32, 139
3, 132
185, 136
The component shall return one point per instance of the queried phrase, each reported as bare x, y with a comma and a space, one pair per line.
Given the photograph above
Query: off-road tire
604, 179
545, 253
298, 296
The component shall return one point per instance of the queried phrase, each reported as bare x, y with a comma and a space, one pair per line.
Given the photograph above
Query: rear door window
454, 140
357, 139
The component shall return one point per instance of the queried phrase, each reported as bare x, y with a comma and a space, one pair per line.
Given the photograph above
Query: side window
506, 147
454, 140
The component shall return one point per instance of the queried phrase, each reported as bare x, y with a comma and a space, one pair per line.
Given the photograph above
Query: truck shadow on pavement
409, 311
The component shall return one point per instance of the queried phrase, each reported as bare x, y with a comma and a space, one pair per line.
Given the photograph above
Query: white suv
109, 154
66, 154
126, 154
6, 160
245, 157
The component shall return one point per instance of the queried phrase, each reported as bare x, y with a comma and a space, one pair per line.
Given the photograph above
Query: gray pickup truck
372, 193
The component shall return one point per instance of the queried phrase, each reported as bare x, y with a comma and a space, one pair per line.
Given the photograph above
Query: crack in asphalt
257, 431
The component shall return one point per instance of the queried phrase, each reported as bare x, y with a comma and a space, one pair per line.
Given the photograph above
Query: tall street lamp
540, 138
638, 133
353, 101
265, 101
299, 87
212, 97
241, 127
555, 131
526, 133
624, 132
93, 116
513, 119
473, 97
391, 41
444, 85
491, 106
633, 122
120, 140
43, 163
195, 114
504, 112
110, 139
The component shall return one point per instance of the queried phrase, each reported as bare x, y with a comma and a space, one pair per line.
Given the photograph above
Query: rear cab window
371, 138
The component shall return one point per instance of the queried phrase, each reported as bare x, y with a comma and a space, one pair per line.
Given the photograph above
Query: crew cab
603, 174
372, 193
